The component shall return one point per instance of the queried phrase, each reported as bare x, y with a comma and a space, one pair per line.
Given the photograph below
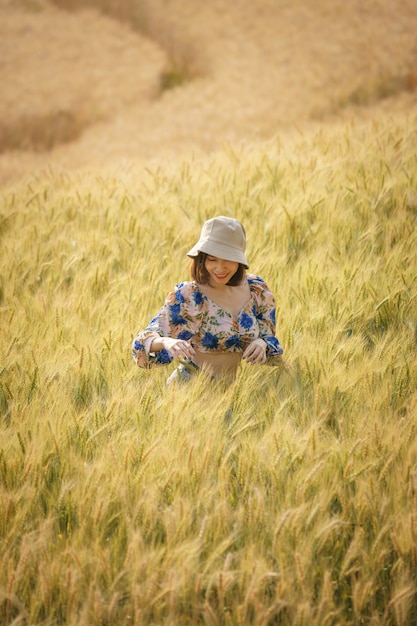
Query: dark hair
201, 275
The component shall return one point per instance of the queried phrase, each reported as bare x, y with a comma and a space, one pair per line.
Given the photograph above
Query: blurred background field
289, 498
105, 81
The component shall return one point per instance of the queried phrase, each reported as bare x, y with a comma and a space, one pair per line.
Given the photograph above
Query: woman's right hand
178, 348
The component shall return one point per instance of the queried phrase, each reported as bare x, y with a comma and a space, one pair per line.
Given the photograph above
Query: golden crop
125, 502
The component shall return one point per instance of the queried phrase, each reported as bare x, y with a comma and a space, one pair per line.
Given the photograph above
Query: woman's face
219, 270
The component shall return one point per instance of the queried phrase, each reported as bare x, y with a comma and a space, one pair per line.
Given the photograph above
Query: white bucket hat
224, 238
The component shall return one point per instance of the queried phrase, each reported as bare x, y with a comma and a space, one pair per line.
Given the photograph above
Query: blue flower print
138, 346
272, 316
178, 295
233, 342
210, 341
198, 297
185, 335
163, 357
274, 346
259, 315
246, 321
176, 318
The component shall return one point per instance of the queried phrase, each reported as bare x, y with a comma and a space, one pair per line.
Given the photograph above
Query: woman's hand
178, 348
255, 352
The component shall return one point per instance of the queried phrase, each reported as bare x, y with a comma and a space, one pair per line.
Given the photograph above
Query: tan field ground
81, 89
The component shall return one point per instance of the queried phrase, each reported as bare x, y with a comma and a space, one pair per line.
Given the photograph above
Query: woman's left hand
255, 352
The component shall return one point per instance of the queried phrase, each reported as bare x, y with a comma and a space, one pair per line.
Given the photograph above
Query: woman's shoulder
256, 282
187, 292
186, 287
259, 288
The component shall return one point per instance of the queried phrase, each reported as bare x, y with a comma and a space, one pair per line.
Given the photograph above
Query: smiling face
219, 270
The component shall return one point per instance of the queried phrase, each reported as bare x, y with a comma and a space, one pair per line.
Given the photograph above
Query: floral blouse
190, 315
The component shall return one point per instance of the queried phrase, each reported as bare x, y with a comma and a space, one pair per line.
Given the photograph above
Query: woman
222, 316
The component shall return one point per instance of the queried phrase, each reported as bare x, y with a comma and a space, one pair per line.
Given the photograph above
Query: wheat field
289, 497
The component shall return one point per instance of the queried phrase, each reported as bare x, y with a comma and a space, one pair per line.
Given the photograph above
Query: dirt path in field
81, 89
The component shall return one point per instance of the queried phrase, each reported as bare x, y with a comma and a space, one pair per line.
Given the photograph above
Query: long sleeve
265, 306
179, 318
